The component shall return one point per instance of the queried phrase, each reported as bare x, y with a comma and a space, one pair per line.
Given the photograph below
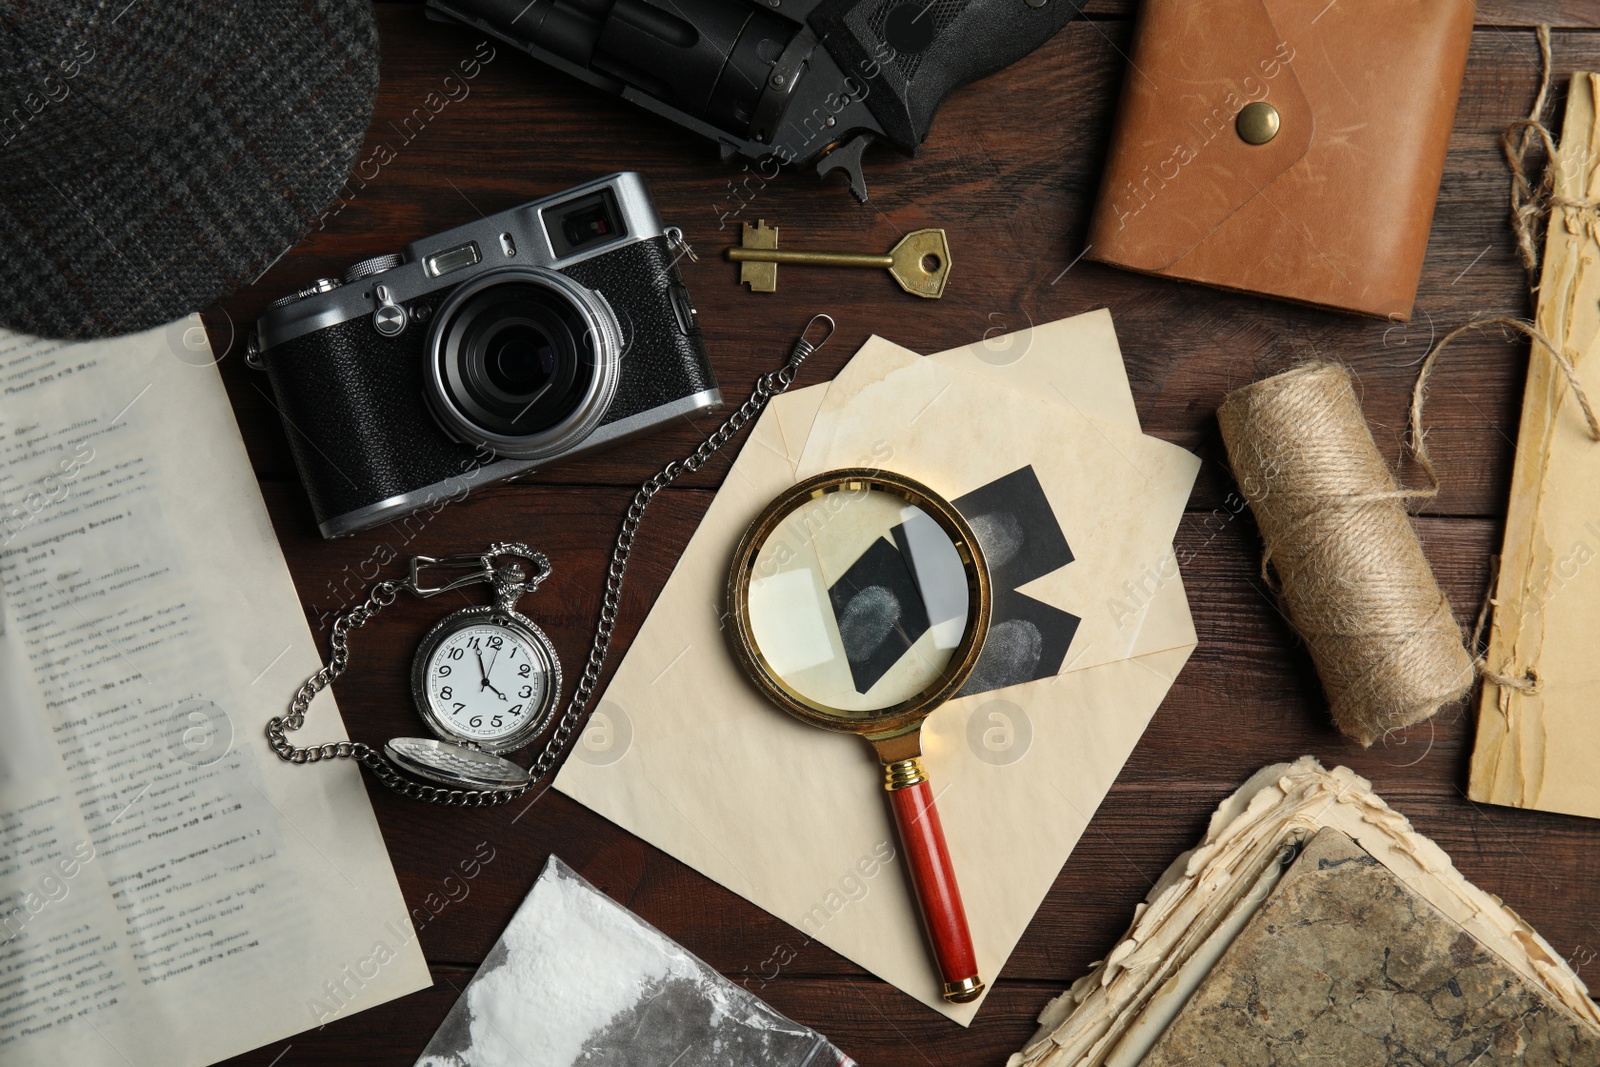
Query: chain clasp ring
505, 578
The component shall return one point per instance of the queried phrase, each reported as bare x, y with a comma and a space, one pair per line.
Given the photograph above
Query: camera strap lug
389, 318
679, 244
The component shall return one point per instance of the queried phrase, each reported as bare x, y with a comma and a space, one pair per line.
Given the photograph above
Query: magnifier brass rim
908, 714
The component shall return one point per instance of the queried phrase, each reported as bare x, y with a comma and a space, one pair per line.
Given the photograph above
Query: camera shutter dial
321, 285
368, 267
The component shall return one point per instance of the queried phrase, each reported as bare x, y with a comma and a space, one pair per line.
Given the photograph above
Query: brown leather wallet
1284, 147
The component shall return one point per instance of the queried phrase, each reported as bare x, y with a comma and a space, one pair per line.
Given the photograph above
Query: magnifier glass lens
858, 600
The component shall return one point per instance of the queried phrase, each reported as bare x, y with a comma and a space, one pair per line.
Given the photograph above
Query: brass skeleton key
920, 262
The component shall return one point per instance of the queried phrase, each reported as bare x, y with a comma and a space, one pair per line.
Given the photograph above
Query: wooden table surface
1010, 171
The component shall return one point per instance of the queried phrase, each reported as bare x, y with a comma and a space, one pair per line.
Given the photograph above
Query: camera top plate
517, 237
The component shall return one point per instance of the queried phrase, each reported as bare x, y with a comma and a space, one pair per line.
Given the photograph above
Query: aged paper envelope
1117, 494
1094, 380
683, 751
1536, 749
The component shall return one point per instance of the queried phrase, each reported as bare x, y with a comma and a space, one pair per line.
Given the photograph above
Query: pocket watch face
486, 682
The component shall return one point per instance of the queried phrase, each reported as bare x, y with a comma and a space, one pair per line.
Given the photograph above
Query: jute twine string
1532, 202
1419, 391
1527, 199
1527, 681
1350, 572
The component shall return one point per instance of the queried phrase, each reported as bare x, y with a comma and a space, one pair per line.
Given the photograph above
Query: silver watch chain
384, 593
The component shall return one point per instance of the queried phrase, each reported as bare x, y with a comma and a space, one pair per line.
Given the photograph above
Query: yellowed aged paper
174, 894
1094, 380
1537, 749
687, 755
1115, 492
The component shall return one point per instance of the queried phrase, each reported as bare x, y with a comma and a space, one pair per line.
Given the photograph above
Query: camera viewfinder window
583, 223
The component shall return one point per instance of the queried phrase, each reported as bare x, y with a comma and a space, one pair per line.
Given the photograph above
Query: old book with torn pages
1536, 747
1313, 925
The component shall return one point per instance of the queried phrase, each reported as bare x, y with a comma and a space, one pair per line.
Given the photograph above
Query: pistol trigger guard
847, 157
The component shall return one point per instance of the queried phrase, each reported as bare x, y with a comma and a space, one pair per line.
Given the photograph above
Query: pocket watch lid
455, 765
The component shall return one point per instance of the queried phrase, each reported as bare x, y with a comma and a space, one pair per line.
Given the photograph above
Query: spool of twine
1350, 571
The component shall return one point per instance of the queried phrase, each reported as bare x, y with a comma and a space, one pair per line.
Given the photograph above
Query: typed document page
171, 893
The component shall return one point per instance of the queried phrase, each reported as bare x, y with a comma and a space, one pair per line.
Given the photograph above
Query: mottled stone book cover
1344, 964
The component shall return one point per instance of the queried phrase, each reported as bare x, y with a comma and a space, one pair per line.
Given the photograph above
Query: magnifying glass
859, 601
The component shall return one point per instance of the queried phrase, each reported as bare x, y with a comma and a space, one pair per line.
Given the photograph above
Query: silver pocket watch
486, 679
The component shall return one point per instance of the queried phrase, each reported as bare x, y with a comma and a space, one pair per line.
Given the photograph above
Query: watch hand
481, 672
487, 671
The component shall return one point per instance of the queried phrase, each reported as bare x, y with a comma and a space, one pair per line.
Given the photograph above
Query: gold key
920, 262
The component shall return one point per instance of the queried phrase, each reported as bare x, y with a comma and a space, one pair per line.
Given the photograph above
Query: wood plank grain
1015, 196
1010, 170
1248, 697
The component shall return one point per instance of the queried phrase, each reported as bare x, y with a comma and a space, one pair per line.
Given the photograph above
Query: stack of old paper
1367, 947
1536, 745
1035, 437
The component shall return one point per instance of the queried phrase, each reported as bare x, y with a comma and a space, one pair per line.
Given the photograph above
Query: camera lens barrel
524, 361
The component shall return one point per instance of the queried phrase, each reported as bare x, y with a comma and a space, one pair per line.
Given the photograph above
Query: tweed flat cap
156, 155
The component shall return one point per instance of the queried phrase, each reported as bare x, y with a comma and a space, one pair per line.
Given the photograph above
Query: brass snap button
1257, 123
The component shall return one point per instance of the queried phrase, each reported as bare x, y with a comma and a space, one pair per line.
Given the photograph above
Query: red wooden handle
938, 896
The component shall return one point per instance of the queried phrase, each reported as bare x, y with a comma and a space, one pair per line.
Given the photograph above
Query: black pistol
796, 81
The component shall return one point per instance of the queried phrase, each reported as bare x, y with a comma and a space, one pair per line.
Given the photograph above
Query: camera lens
523, 361
520, 359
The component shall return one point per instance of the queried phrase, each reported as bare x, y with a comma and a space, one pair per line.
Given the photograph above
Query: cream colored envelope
684, 752
1117, 494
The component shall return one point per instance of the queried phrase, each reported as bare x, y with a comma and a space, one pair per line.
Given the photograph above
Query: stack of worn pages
1313, 925
1536, 743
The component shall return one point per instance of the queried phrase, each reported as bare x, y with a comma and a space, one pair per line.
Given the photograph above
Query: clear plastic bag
577, 979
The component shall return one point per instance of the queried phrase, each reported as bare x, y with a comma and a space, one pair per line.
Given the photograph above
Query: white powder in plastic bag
577, 979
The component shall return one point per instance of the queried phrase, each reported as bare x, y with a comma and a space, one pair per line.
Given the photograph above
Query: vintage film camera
543, 332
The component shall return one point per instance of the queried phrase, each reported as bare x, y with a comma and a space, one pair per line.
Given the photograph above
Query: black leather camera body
543, 332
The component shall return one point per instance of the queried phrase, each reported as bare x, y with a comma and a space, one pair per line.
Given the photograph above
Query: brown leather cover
1334, 210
